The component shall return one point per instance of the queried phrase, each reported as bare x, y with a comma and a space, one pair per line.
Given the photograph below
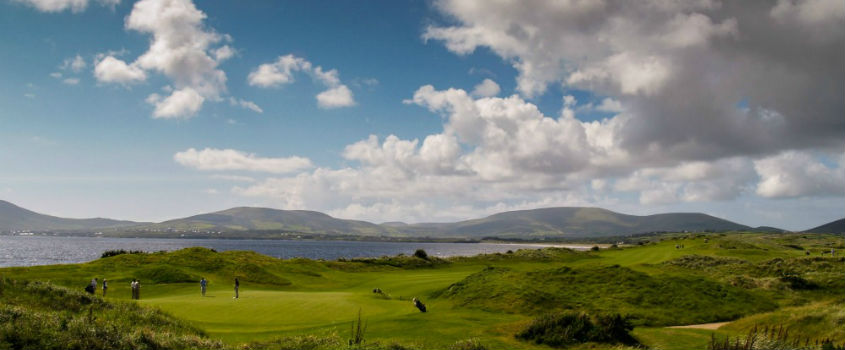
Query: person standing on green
105, 287
203, 283
237, 285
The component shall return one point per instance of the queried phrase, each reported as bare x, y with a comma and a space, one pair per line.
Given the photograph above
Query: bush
798, 283
563, 329
421, 254
110, 253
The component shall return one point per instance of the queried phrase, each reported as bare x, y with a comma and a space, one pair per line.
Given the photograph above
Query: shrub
563, 329
798, 283
110, 253
421, 254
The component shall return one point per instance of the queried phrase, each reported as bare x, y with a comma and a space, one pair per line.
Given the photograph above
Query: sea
49, 250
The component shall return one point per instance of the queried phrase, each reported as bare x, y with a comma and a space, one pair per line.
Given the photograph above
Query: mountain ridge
575, 222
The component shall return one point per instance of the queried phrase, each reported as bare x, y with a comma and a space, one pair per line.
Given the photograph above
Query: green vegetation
36, 315
479, 302
560, 330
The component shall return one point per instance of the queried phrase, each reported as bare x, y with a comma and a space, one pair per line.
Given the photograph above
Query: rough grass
36, 315
649, 300
816, 321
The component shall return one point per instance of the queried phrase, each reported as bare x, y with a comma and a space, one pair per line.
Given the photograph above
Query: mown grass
310, 303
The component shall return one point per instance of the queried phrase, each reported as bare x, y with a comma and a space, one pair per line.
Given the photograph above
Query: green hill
837, 226
15, 218
575, 222
266, 219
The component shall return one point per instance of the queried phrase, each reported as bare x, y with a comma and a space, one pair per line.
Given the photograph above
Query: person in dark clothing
105, 287
203, 284
237, 285
419, 305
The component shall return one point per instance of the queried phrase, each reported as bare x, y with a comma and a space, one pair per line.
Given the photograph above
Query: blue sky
117, 108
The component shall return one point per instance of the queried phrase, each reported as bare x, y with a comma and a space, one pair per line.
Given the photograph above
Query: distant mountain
266, 219
837, 226
264, 222
15, 218
574, 222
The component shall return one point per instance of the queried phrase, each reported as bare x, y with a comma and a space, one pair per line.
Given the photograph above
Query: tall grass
771, 338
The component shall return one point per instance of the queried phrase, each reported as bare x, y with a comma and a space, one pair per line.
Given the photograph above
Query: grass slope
315, 301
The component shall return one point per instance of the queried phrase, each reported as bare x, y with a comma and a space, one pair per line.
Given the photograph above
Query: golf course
748, 280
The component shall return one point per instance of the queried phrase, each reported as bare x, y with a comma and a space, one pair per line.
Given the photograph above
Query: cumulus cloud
229, 159
336, 97
281, 72
696, 181
798, 174
181, 103
610, 105
62, 5
71, 81
182, 48
113, 70
487, 88
679, 68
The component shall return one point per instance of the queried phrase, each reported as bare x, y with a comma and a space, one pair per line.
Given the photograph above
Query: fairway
262, 314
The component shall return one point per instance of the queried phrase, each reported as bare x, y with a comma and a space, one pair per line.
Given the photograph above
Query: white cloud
71, 81
245, 104
182, 48
183, 103
281, 72
487, 88
113, 70
56, 75
224, 52
336, 97
62, 5
277, 73
610, 105
229, 159
798, 174
720, 180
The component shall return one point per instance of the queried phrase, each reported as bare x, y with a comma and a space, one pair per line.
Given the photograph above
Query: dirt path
714, 325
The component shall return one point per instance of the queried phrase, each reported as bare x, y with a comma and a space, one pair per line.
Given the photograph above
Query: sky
424, 111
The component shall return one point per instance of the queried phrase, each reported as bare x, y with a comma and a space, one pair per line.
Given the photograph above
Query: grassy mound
560, 330
649, 300
814, 321
36, 315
